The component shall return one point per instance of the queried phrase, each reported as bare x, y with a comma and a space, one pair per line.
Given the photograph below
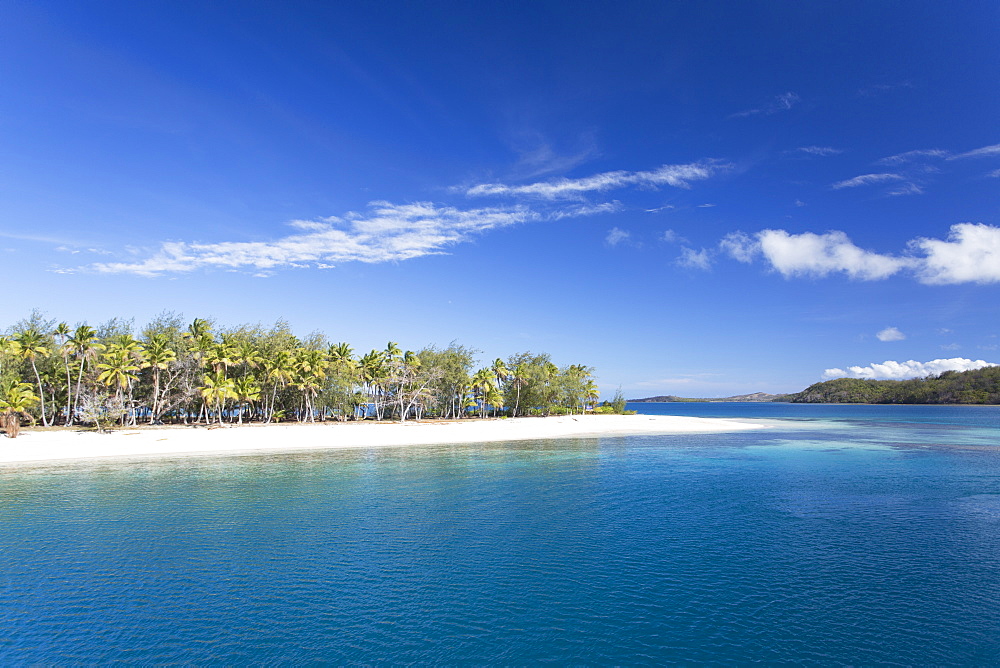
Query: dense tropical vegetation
980, 386
176, 372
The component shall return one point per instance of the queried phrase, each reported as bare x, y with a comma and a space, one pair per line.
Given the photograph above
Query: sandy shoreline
36, 447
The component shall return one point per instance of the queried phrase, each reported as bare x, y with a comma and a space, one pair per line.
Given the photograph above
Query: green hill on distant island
980, 386
756, 396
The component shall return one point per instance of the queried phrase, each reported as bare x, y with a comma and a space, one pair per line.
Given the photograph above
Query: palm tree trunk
41, 392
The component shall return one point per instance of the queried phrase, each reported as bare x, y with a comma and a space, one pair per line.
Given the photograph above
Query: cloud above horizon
782, 102
866, 180
970, 254
891, 370
677, 176
890, 334
387, 233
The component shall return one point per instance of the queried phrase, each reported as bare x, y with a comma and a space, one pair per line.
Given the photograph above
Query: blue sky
698, 199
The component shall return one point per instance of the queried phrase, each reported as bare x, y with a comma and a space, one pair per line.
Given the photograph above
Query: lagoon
840, 534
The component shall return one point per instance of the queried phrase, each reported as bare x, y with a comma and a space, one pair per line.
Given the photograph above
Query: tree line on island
195, 373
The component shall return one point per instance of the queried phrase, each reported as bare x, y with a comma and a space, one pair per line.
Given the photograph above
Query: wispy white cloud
677, 176
705, 206
878, 89
951, 346
970, 254
866, 180
585, 210
387, 233
905, 189
617, 235
890, 334
822, 151
994, 174
695, 259
891, 370
782, 102
984, 152
910, 156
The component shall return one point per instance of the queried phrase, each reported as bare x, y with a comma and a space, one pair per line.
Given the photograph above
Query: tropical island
171, 376
978, 386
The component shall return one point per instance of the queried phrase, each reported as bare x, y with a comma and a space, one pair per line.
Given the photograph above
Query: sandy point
46, 446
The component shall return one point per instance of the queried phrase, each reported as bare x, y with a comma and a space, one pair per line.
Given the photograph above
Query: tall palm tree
373, 372
33, 343
159, 356
499, 369
62, 330
86, 349
482, 384
217, 389
246, 391
278, 370
119, 370
592, 393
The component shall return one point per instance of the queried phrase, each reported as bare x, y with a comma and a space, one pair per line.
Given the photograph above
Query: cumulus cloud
387, 233
678, 176
811, 254
890, 370
739, 246
617, 235
890, 334
984, 152
971, 254
693, 259
866, 180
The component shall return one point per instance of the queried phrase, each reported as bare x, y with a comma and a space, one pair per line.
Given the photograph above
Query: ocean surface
838, 535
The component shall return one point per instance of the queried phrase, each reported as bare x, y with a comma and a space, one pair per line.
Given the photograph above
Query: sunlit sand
66, 445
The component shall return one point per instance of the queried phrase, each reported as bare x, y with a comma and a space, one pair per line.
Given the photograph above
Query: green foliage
618, 402
980, 386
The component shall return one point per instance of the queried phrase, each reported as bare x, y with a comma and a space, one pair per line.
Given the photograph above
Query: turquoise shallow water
839, 535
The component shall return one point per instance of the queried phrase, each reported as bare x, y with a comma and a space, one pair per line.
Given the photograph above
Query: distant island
979, 386
669, 398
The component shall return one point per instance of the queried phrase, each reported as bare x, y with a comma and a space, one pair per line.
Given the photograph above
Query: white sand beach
41, 446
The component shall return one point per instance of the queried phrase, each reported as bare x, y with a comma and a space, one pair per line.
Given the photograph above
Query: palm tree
85, 348
217, 389
500, 371
482, 384
159, 356
119, 371
65, 350
33, 343
15, 398
246, 391
279, 371
592, 393
373, 372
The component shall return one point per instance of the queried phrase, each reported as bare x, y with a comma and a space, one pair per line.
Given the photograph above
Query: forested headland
172, 371
979, 386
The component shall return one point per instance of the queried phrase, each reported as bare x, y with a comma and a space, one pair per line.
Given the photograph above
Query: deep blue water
839, 535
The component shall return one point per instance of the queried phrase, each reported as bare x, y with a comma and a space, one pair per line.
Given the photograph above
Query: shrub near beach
197, 372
